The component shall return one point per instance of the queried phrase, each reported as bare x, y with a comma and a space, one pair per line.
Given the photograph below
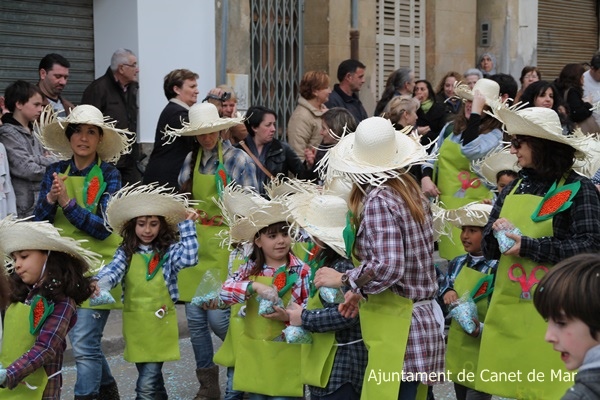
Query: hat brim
204, 128
466, 93
498, 162
473, 214
245, 229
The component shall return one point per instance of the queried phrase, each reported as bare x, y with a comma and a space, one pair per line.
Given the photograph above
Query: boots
209, 383
109, 392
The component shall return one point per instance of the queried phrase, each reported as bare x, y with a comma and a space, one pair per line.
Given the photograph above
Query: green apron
261, 364
148, 338
17, 341
210, 253
513, 336
459, 186
106, 248
317, 358
462, 351
385, 320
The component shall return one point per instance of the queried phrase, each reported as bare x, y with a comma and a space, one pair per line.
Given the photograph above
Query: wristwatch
345, 280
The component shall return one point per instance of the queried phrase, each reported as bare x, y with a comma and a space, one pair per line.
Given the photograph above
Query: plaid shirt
399, 251
182, 254
575, 230
455, 266
350, 360
88, 222
47, 352
234, 288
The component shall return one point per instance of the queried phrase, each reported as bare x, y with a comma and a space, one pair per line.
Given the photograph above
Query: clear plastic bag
297, 335
104, 297
265, 306
208, 290
463, 311
505, 242
331, 295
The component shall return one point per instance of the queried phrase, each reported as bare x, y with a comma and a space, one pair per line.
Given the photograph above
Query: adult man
54, 74
591, 84
115, 94
351, 75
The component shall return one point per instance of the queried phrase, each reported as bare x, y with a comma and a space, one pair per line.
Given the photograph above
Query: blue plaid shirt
455, 266
82, 219
182, 254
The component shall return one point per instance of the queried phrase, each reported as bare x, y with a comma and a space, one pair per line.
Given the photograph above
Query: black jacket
337, 98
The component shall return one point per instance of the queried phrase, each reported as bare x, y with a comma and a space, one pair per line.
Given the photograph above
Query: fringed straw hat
203, 119
487, 87
440, 227
472, 214
591, 164
283, 186
338, 186
494, 162
137, 200
51, 132
244, 229
237, 202
18, 235
374, 153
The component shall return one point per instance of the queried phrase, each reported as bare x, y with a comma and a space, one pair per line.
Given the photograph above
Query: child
463, 348
323, 217
46, 286
264, 365
567, 297
498, 169
147, 264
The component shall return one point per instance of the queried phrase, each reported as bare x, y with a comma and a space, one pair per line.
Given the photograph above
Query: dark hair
595, 62
537, 89
570, 289
570, 78
508, 85
47, 63
64, 277
348, 67
258, 256
336, 118
72, 128
176, 78
431, 93
166, 237
508, 172
551, 159
19, 92
312, 81
527, 69
395, 81
254, 116
5, 289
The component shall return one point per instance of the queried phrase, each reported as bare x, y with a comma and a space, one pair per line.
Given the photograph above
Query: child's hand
266, 292
211, 305
429, 188
450, 297
191, 214
349, 308
96, 288
328, 277
280, 314
295, 313
487, 201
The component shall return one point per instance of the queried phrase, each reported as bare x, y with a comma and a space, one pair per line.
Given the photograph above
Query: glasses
134, 65
516, 142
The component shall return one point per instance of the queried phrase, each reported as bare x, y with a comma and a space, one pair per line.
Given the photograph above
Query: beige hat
139, 200
374, 153
322, 216
237, 202
338, 186
591, 164
494, 162
472, 214
487, 87
440, 227
203, 119
245, 229
282, 186
51, 132
18, 235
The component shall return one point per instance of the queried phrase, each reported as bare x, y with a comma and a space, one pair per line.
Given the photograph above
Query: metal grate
276, 51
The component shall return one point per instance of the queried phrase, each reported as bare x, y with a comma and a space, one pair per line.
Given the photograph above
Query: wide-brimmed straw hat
374, 153
542, 123
140, 200
237, 202
494, 162
338, 186
244, 229
203, 119
51, 133
472, 214
591, 164
322, 216
18, 235
487, 87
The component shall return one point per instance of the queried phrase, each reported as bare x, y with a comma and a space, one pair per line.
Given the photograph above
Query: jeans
344, 392
465, 393
150, 384
198, 321
86, 337
231, 394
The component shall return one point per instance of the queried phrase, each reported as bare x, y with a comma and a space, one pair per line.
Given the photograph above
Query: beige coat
304, 127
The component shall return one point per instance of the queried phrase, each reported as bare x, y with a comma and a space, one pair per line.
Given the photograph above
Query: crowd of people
312, 258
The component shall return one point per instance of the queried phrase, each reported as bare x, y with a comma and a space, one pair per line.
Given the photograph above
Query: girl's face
275, 246
29, 265
327, 138
545, 99
572, 339
265, 131
85, 140
449, 86
146, 229
32, 109
188, 92
421, 91
521, 149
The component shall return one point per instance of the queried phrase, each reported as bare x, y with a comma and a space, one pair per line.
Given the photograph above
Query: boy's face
470, 236
571, 337
503, 181
32, 109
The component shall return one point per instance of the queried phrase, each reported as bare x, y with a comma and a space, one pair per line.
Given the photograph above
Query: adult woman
529, 75
570, 87
73, 196
400, 82
470, 137
402, 112
271, 156
487, 64
431, 115
394, 243
551, 229
472, 75
445, 94
181, 89
544, 94
304, 127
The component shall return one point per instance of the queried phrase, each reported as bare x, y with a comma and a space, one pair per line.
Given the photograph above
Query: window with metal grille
400, 39
276, 30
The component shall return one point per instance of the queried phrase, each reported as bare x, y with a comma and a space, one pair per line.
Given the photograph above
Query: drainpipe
354, 32
224, 31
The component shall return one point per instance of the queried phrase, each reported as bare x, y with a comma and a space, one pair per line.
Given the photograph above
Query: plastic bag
208, 290
297, 335
463, 311
505, 242
265, 306
104, 297
331, 295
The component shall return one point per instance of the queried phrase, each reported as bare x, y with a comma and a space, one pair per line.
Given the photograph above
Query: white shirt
591, 89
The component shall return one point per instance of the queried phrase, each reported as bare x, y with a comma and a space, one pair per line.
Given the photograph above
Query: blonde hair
398, 106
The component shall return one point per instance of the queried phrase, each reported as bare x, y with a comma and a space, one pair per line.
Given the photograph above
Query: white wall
165, 36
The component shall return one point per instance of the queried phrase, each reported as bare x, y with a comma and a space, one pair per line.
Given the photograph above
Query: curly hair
166, 237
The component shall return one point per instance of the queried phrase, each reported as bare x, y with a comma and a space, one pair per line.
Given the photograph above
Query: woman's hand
513, 251
349, 308
502, 224
280, 314
328, 277
429, 188
58, 191
423, 130
478, 103
309, 156
295, 313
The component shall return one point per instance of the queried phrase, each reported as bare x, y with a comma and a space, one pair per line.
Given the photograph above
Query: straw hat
18, 235
472, 214
203, 119
542, 123
51, 132
487, 87
140, 200
237, 201
440, 227
338, 186
322, 216
494, 162
374, 153
245, 229
282, 186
